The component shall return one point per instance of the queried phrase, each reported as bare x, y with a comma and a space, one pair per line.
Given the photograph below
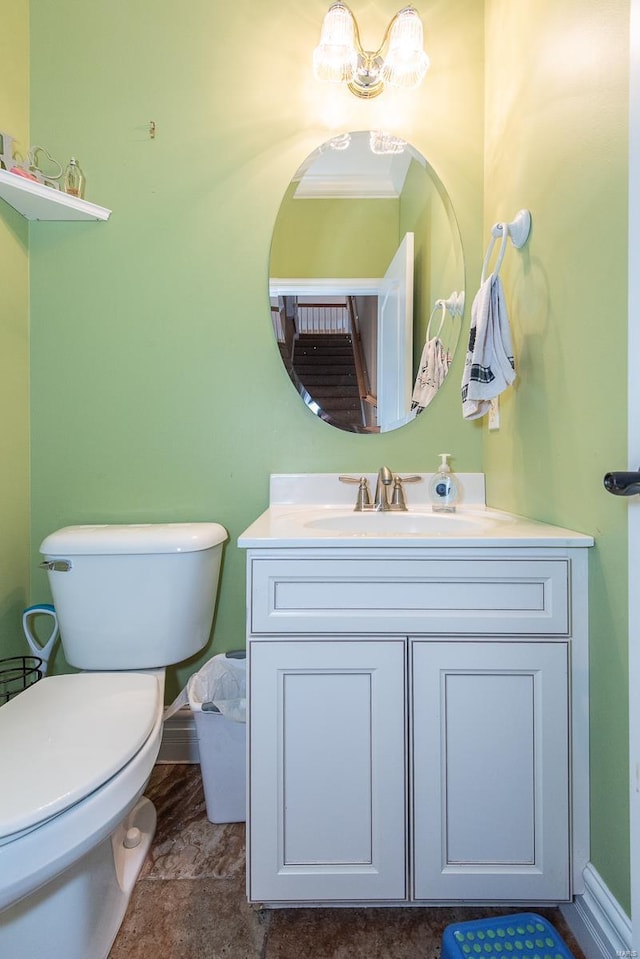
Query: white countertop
316, 510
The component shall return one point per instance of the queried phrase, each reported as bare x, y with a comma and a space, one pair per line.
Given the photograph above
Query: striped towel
489, 367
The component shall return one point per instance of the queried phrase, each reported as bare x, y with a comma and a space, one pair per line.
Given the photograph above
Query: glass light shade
341, 142
406, 61
383, 143
335, 58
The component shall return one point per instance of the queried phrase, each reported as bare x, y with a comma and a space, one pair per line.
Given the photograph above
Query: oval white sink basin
396, 523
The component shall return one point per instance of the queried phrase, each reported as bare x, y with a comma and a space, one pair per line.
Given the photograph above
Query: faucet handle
363, 499
398, 501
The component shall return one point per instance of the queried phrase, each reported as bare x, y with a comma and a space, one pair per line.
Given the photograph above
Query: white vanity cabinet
328, 790
490, 763
418, 723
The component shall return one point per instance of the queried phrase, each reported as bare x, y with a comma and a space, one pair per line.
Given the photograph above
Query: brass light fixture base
367, 81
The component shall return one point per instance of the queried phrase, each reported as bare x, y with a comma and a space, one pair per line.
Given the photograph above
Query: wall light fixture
399, 61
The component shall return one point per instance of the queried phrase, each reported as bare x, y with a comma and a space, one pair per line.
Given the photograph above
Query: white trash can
217, 697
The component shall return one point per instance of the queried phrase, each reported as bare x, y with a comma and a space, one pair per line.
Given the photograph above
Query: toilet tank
133, 596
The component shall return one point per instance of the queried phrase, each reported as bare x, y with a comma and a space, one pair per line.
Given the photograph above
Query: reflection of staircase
325, 365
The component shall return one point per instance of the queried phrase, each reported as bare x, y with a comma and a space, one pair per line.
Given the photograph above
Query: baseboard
179, 739
598, 922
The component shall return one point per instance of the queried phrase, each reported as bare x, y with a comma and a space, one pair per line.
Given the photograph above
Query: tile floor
189, 902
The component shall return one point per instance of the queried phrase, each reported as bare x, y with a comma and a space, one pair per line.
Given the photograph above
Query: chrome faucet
384, 481
382, 502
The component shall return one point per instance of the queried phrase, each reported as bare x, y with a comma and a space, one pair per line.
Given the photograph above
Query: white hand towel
489, 367
432, 370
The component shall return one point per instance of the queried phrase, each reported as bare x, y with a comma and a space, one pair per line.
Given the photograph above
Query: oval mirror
366, 282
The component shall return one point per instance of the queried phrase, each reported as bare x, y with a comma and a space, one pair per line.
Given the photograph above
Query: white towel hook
517, 230
438, 305
454, 305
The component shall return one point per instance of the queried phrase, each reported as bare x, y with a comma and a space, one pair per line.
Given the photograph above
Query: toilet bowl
79, 749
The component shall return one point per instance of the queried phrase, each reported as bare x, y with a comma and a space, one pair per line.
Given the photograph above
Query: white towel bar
517, 230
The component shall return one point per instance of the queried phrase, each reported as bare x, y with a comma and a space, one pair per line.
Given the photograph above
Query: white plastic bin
222, 741
222, 746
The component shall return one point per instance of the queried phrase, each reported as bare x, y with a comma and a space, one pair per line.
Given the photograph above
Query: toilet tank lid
130, 538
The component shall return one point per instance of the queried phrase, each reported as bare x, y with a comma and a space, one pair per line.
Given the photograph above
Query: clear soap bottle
74, 179
443, 488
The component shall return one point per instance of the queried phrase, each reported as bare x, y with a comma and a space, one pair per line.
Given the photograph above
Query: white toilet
76, 751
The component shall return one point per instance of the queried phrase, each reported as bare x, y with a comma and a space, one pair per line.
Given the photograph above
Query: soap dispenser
443, 488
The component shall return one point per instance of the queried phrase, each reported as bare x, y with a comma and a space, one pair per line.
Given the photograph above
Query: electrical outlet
494, 414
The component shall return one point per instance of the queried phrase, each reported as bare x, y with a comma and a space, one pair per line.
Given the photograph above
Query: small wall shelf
37, 202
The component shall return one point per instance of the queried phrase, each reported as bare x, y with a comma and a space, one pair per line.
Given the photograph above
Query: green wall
556, 142
14, 348
334, 237
157, 391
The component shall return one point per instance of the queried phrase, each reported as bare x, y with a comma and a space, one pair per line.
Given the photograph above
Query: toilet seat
66, 736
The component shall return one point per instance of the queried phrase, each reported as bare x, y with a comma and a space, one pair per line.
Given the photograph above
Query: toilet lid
67, 735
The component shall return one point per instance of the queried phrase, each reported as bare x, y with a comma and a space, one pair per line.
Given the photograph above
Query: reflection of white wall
367, 308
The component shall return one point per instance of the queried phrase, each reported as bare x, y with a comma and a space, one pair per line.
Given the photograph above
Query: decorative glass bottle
74, 179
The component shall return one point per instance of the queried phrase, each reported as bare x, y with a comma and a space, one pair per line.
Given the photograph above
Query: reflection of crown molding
351, 186
325, 286
355, 172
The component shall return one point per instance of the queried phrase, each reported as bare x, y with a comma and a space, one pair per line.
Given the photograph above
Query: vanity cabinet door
327, 793
490, 792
